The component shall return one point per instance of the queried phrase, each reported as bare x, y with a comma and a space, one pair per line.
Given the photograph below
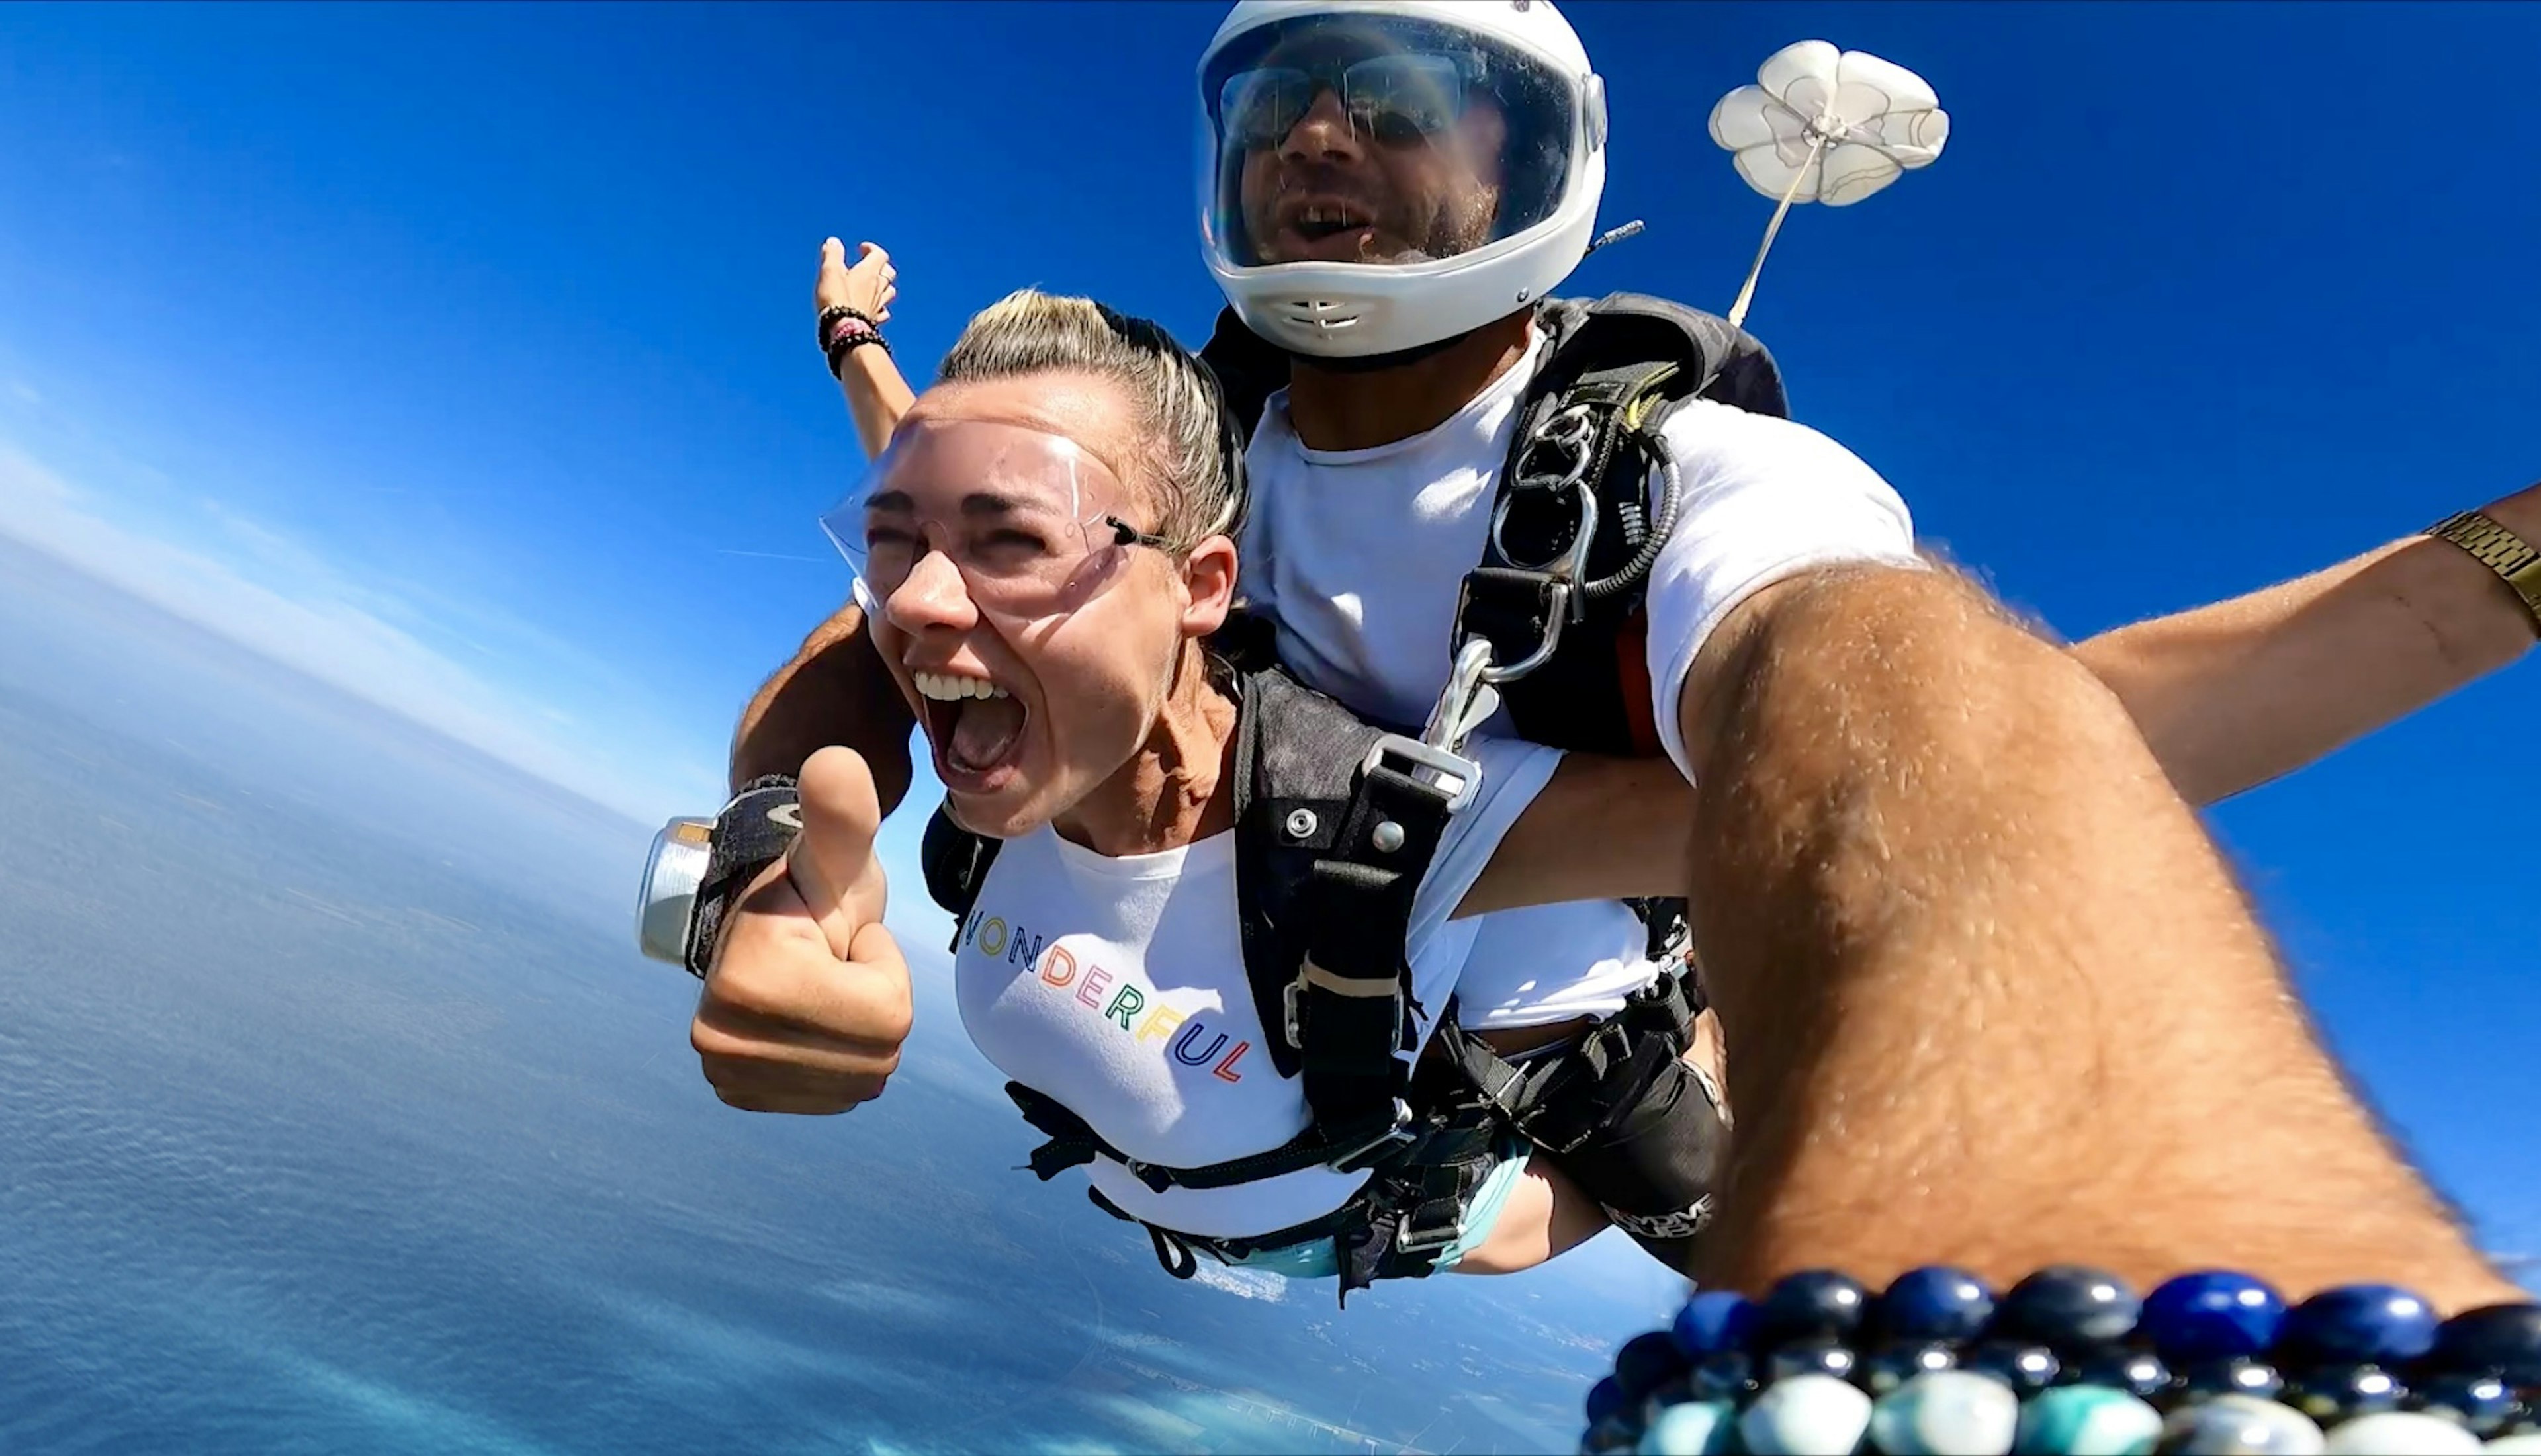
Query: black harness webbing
1334, 830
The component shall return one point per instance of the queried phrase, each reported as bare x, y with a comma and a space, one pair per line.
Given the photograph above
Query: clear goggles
1397, 83
1035, 526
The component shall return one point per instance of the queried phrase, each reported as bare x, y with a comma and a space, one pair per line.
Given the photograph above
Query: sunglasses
1397, 98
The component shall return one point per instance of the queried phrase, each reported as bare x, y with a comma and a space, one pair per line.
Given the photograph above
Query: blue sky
461, 356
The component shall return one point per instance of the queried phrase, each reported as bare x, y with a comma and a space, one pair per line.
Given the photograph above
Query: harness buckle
1293, 1022
1455, 768
1157, 1178
1411, 1237
1401, 1133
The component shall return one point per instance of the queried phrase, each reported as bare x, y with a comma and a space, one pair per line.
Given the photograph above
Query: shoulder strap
1575, 521
1335, 828
956, 864
1296, 764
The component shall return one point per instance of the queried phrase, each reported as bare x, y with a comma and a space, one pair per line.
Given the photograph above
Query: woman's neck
1177, 788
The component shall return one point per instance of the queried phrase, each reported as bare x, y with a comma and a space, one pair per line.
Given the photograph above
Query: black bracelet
2071, 1361
829, 317
847, 344
839, 340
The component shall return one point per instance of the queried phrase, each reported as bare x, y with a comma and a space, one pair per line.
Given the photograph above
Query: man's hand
868, 287
808, 1003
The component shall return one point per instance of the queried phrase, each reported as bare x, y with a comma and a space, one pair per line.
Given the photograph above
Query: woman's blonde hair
1181, 411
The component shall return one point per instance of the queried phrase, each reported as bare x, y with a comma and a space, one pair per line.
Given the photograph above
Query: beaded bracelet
826, 325
843, 331
2070, 1362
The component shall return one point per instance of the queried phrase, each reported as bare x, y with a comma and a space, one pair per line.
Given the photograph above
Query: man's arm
2227, 696
2244, 691
1995, 999
1600, 829
834, 690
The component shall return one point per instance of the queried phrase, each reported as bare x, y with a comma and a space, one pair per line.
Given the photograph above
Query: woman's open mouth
975, 728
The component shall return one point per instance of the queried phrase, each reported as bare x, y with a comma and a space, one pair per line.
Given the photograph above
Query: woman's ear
1209, 586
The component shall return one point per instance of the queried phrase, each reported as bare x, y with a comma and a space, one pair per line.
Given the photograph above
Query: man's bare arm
834, 690
2244, 691
1996, 998
1600, 829
2227, 696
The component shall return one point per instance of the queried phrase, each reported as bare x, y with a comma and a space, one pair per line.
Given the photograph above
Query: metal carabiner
1467, 701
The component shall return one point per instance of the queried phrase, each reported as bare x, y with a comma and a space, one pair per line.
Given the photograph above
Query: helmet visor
1379, 139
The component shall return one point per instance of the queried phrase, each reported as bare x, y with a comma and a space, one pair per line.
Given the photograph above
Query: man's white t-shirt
1358, 556
1117, 987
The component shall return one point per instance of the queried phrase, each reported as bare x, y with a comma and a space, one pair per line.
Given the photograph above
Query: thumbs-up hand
807, 1003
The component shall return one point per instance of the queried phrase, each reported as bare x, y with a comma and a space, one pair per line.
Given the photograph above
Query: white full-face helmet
1383, 177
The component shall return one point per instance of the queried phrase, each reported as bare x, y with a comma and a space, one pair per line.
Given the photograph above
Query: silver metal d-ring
1572, 565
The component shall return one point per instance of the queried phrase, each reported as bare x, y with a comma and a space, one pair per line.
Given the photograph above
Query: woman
1046, 549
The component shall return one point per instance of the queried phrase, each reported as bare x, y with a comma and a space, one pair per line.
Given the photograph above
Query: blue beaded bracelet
2070, 1362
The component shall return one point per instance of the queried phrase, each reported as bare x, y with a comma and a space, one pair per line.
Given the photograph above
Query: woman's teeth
944, 687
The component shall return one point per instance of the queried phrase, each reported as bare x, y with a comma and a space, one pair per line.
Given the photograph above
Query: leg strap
1561, 1101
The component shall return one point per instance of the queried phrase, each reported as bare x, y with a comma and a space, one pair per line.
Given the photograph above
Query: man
1937, 864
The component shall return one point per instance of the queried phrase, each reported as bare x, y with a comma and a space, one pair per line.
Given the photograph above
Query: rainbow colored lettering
993, 937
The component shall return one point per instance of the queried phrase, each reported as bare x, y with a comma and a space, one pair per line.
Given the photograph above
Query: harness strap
1351, 1010
1073, 1143
1394, 1227
1560, 1102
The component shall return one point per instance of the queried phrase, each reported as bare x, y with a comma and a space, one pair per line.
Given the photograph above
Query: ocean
337, 1113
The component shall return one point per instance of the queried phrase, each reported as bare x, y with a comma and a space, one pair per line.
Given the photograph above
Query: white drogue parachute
1824, 125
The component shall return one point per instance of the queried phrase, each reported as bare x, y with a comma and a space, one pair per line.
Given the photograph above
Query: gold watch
2500, 551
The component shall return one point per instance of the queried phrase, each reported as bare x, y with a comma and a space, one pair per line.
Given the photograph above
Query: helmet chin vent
1323, 316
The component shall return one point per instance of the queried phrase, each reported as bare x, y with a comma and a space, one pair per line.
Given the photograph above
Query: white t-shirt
1358, 556
1117, 986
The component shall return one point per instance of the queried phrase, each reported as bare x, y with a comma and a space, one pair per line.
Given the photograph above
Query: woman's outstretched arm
876, 393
